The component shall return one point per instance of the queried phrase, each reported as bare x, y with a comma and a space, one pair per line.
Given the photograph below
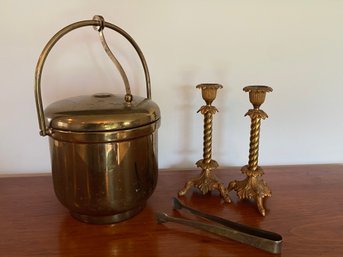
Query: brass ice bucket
103, 146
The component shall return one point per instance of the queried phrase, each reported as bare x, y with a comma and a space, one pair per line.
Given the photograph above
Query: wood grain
306, 208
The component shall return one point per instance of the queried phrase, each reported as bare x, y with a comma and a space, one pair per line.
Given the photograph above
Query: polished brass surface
262, 239
104, 182
207, 181
101, 112
104, 136
252, 187
103, 146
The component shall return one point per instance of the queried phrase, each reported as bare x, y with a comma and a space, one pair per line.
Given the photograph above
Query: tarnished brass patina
103, 146
207, 181
252, 187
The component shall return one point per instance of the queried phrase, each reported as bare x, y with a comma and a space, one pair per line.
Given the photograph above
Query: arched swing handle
98, 23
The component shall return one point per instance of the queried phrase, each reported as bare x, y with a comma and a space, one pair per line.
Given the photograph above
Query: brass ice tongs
262, 239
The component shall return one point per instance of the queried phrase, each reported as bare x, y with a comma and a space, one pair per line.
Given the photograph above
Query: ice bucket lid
101, 112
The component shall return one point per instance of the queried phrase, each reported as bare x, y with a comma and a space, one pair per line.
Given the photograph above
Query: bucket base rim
108, 219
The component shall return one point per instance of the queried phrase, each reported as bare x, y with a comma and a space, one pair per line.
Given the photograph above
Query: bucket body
103, 146
106, 181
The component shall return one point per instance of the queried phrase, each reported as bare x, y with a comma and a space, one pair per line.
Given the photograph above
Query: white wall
296, 47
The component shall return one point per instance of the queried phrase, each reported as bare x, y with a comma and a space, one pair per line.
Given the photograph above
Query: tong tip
161, 217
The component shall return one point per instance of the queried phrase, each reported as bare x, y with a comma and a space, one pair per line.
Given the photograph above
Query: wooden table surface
306, 208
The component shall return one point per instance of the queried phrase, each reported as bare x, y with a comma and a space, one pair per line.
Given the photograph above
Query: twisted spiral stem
207, 149
254, 143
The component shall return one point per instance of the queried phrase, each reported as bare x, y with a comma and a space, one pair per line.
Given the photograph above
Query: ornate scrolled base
206, 181
251, 188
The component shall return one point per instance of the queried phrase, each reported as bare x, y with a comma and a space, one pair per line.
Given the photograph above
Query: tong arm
262, 239
230, 224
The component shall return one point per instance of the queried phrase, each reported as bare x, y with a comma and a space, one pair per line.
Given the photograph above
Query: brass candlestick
207, 181
252, 187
